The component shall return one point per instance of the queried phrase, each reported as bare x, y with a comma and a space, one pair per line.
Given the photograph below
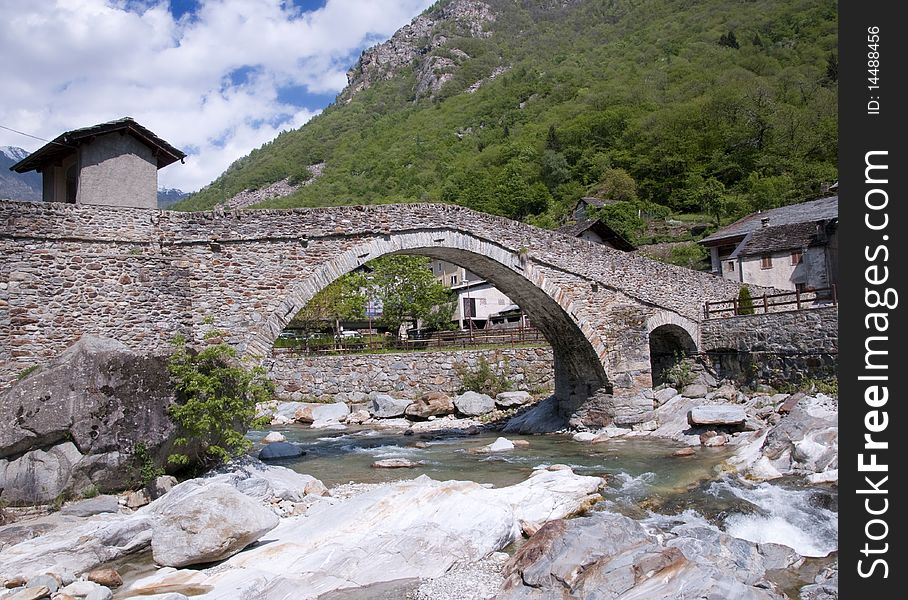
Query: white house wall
118, 170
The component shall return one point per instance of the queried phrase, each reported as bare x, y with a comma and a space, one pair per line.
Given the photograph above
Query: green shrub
146, 470
216, 398
483, 378
745, 302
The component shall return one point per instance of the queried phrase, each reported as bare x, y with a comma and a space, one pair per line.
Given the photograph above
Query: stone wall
774, 348
349, 378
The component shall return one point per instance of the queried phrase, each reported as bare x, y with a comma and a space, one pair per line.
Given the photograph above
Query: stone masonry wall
774, 348
349, 378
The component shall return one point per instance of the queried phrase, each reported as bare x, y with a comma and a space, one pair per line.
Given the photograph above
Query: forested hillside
700, 106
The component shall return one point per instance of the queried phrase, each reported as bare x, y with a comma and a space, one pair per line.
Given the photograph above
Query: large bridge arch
579, 350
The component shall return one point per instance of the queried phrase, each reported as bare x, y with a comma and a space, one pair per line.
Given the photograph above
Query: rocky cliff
426, 44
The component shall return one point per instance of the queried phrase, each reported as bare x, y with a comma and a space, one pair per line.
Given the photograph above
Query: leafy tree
216, 398
623, 217
729, 40
616, 184
343, 300
832, 67
713, 199
409, 291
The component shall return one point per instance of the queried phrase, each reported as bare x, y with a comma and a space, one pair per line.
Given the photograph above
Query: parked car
350, 334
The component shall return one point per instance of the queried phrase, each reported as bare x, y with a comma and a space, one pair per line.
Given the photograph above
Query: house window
766, 261
453, 279
801, 287
796, 257
731, 266
469, 308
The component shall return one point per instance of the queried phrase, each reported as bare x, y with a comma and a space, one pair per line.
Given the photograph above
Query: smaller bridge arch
672, 338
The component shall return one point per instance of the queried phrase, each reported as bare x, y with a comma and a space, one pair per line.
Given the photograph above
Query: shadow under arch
579, 352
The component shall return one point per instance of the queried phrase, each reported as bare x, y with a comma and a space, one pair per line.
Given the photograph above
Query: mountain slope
15, 186
520, 107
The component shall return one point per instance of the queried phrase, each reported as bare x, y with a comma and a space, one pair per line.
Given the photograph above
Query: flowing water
643, 479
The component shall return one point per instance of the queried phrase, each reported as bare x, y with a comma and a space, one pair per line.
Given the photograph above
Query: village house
793, 247
111, 164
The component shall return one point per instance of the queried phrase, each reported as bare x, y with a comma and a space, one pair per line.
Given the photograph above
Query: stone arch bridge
141, 276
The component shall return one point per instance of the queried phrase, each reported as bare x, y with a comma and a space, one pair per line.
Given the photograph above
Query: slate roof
602, 229
781, 237
823, 209
66, 143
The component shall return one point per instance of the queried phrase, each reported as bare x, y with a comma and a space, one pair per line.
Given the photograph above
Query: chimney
764, 222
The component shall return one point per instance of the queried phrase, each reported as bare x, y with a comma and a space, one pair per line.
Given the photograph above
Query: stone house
598, 232
790, 248
112, 164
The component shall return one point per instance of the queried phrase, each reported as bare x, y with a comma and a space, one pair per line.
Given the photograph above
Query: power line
34, 136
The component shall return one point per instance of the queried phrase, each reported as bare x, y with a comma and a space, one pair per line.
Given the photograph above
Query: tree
408, 291
745, 302
712, 198
343, 300
623, 218
616, 184
729, 40
216, 398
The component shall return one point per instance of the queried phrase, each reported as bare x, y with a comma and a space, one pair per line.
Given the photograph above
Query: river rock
789, 403
160, 485
309, 412
358, 417
385, 406
91, 506
274, 436
474, 404
610, 556
48, 581
717, 414
545, 417
279, 450
431, 404
695, 390
511, 399
395, 463
584, 436
726, 392
85, 399
207, 524
38, 477
664, 395
137, 499
405, 530
266, 482
29, 593
107, 577
499, 445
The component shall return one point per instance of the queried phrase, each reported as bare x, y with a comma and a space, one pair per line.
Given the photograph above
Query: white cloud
81, 62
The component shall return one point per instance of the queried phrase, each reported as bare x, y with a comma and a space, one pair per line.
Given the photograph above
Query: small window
766, 262
731, 266
453, 279
796, 257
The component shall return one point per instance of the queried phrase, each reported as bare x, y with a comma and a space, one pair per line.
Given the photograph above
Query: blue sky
216, 78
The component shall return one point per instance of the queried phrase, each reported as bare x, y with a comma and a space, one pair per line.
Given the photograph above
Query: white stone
510, 399
206, 523
584, 436
474, 404
385, 406
501, 445
717, 414
274, 436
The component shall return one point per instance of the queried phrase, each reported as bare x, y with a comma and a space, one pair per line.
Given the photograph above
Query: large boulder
75, 422
279, 450
206, 523
717, 414
409, 529
474, 404
431, 404
385, 406
310, 412
511, 399
610, 556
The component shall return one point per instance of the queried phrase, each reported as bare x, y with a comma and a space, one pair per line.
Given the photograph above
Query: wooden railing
442, 340
785, 301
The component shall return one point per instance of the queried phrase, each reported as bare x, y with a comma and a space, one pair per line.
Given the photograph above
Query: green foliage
147, 470
745, 302
690, 255
343, 300
622, 217
680, 373
91, 491
216, 398
616, 184
593, 87
409, 292
483, 378
26, 372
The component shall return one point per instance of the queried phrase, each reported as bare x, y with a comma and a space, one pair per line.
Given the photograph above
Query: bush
745, 302
484, 379
216, 398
